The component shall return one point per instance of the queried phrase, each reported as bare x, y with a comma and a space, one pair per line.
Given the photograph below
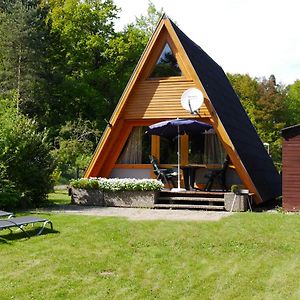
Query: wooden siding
291, 173
153, 99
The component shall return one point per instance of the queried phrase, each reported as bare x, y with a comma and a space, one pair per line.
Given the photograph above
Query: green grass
245, 256
59, 197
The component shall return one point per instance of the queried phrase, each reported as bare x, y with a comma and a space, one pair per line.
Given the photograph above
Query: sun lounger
5, 214
21, 222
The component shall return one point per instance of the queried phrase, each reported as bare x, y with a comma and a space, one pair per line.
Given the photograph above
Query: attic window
166, 65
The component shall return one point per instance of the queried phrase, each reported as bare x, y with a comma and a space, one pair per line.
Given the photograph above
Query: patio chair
21, 222
5, 214
165, 175
219, 174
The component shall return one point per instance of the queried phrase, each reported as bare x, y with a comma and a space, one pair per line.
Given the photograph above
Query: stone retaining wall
86, 197
113, 198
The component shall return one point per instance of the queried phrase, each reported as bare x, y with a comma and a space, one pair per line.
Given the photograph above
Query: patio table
189, 173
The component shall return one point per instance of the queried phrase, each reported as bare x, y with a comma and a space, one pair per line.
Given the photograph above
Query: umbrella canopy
176, 127
170, 128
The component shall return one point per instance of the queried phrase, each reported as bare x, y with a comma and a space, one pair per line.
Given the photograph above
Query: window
206, 149
137, 148
214, 152
196, 149
166, 65
168, 151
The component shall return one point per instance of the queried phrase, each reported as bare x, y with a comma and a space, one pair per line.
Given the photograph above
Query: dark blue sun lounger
5, 214
21, 222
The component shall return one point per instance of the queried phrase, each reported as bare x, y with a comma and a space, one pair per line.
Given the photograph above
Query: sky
257, 37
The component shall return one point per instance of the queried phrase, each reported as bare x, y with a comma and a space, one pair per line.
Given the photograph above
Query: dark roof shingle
234, 119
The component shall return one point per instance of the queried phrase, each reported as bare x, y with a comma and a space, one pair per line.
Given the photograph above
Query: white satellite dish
191, 100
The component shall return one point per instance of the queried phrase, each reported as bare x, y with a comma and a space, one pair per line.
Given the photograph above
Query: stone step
189, 206
191, 199
168, 193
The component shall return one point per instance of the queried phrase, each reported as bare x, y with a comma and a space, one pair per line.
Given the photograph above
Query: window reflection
166, 65
168, 151
196, 149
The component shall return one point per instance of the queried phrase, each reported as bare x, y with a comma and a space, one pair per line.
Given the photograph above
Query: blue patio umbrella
173, 128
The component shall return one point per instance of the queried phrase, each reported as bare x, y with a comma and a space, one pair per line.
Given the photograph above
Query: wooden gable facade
147, 100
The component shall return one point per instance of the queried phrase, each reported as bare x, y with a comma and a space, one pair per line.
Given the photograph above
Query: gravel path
143, 213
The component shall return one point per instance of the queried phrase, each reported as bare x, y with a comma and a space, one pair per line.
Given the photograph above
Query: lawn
60, 196
245, 256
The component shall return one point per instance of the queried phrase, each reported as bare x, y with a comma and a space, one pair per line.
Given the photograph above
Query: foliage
78, 67
234, 188
271, 115
293, 103
9, 197
244, 256
117, 184
147, 23
74, 147
26, 164
20, 51
265, 102
66, 66
247, 90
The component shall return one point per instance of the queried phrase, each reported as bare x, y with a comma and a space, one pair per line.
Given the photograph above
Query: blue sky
258, 37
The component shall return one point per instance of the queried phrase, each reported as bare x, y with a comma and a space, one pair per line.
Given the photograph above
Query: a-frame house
152, 96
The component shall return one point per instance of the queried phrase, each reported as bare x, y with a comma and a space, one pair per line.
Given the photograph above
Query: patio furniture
219, 174
174, 128
21, 222
165, 175
189, 174
5, 214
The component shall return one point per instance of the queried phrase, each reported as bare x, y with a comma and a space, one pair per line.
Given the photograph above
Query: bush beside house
26, 164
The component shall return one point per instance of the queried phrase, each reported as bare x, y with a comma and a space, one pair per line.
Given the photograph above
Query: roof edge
290, 132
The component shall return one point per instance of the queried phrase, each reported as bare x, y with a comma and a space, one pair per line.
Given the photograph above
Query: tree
147, 23
270, 114
23, 53
16, 55
25, 161
75, 84
293, 103
247, 90
74, 147
88, 62
264, 101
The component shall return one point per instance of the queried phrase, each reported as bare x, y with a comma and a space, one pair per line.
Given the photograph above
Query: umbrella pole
178, 189
178, 157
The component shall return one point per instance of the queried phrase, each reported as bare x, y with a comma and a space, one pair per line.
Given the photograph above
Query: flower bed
125, 192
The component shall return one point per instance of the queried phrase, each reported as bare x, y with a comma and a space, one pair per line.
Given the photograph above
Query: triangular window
166, 65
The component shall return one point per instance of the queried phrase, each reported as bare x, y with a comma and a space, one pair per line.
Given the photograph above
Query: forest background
63, 67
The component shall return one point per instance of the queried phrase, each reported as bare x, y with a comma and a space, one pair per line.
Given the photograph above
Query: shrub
9, 200
25, 158
9, 197
234, 188
118, 184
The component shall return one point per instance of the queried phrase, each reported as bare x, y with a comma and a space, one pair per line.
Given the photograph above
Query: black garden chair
218, 175
165, 175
